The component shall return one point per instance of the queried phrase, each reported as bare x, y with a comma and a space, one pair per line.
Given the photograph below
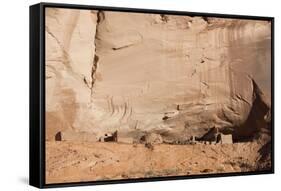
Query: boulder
152, 138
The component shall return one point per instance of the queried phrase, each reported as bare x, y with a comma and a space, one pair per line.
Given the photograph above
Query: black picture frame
37, 93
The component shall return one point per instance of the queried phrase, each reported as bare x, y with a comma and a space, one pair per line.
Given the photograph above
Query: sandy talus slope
74, 162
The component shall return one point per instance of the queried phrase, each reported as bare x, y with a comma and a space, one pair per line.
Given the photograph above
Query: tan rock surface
101, 76
176, 76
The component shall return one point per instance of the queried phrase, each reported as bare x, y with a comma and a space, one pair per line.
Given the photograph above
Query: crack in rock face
175, 76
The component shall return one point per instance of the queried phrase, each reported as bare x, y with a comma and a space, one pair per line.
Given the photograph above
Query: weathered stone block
224, 139
76, 136
109, 137
128, 140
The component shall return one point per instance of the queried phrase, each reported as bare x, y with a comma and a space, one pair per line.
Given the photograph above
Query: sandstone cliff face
177, 76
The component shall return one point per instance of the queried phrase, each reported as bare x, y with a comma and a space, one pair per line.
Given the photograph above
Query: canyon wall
177, 76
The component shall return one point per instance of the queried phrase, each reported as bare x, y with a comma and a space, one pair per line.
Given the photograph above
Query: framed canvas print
127, 95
